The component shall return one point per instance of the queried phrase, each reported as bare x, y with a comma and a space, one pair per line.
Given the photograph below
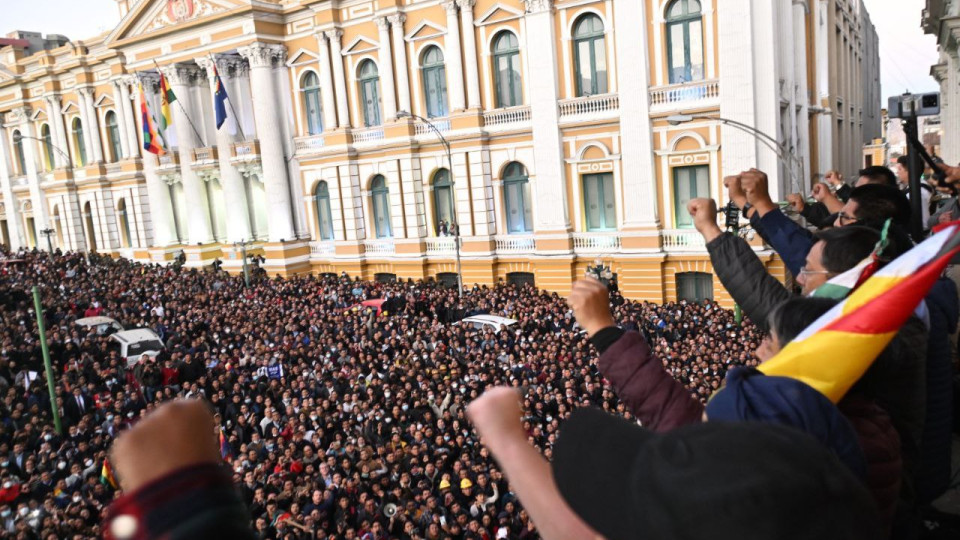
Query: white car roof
135, 336
95, 321
490, 319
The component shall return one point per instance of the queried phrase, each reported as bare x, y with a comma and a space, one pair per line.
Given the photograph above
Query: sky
906, 53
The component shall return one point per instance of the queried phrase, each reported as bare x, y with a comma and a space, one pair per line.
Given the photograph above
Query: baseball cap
717, 480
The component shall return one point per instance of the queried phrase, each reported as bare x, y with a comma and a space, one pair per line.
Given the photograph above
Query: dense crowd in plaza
337, 423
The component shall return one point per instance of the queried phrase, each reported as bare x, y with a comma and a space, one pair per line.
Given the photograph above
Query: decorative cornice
19, 115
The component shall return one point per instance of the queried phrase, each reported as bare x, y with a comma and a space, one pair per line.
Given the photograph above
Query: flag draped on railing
834, 352
151, 139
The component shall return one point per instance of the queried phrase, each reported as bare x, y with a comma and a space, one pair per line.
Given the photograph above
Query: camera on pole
908, 108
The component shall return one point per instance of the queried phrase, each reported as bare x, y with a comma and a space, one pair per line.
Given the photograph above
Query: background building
942, 19
556, 113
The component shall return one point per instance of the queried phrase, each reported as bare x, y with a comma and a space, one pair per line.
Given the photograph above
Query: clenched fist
496, 415
704, 213
176, 435
735, 191
590, 302
953, 173
755, 186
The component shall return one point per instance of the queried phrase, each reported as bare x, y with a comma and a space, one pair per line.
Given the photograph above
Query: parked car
103, 325
135, 343
479, 322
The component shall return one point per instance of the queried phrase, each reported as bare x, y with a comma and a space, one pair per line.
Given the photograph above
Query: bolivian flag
151, 139
834, 352
166, 98
106, 475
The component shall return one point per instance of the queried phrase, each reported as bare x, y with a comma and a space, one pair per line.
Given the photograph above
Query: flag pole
236, 117
48, 368
185, 115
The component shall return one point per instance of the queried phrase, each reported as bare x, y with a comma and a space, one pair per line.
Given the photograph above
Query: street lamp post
770, 142
48, 233
453, 183
242, 245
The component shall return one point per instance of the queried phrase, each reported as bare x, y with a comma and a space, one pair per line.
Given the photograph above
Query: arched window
506, 70
47, 139
599, 202
380, 194
113, 136
590, 51
310, 87
88, 225
77, 129
434, 82
685, 41
18, 152
324, 215
443, 209
370, 92
124, 223
516, 197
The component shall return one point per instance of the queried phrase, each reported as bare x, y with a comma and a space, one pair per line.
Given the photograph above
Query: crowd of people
337, 423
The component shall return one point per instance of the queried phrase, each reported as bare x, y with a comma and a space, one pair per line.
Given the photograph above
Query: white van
103, 325
135, 343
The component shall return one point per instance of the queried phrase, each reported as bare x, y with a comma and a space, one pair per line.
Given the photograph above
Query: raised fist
754, 183
821, 192
735, 191
704, 213
590, 302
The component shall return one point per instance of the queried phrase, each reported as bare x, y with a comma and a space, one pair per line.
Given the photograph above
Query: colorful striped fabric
151, 139
166, 98
835, 351
106, 475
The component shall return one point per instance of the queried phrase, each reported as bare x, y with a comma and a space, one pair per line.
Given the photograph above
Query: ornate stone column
14, 226
234, 193
91, 125
550, 173
400, 58
339, 78
453, 58
326, 84
158, 197
262, 58
181, 79
470, 53
386, 71
55, 117
126, 108
125, 147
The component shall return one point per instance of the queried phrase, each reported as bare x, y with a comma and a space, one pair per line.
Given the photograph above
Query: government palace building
360, 133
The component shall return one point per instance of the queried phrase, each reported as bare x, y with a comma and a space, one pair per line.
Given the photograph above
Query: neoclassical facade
555, 114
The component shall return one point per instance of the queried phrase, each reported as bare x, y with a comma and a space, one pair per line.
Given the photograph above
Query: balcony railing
368, 135
309, 145
668, 97
683, 240
19, 181
324, 248
170, 159
589, 105
246, 150
444, 245
379, 247
503, 117
422, 128
516, 244
204, 154
596, 242
114, 168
